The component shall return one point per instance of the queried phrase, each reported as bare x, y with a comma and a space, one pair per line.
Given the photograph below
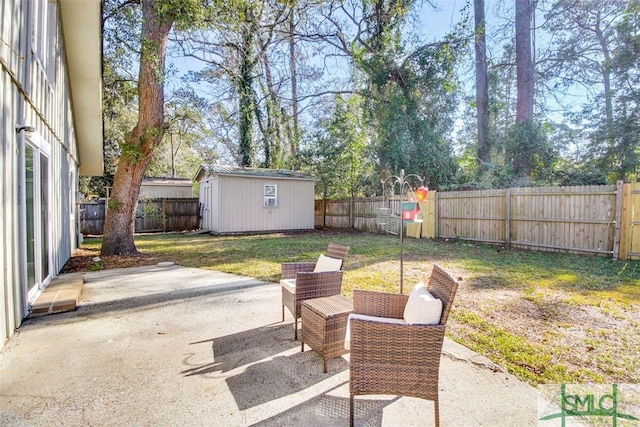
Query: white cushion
326, 263
347, 338
422, 308
290, 284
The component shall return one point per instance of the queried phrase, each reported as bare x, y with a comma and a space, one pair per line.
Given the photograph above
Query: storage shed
242, 200
166, 188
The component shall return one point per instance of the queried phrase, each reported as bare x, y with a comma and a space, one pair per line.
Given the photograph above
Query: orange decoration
422, 193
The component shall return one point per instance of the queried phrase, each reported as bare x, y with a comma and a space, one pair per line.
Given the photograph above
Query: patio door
36, 222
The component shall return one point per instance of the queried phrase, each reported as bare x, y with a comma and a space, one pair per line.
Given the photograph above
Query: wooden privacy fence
152, 215
603, 219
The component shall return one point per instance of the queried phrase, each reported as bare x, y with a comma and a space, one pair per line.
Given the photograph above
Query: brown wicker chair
309, 284
397, 359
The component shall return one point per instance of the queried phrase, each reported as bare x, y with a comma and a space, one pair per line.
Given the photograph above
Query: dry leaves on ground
87, 260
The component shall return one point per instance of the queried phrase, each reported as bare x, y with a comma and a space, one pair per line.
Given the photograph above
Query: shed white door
205, 199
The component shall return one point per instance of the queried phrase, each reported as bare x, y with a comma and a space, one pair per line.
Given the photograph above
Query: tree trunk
482, 91
245, 127
294, 84
272, 134
137, 149
524, 61
521, 162
245, 90
606, 81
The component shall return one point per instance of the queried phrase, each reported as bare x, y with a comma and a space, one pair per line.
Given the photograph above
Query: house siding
39, 95
8, 217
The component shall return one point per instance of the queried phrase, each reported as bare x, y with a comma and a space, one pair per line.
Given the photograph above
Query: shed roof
183, 182
218, 170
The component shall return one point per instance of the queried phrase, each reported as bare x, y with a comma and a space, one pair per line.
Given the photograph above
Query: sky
441, 20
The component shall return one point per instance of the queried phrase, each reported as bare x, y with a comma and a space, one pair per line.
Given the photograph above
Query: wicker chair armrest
289, 269
380, 304
380, 342
316, 285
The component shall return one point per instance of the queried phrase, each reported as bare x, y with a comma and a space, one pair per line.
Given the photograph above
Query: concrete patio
169, 345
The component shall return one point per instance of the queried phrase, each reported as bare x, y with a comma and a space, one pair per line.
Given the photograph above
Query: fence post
323, 222
625, 223
507, 221
618, 223
352, 215
163, 215
436, 220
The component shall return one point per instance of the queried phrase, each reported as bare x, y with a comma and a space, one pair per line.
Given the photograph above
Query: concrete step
62, 294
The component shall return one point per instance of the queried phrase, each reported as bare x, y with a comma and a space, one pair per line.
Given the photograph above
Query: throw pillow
422, 308
326, 263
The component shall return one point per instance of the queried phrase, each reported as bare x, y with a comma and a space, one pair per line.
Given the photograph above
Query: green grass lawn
545, 317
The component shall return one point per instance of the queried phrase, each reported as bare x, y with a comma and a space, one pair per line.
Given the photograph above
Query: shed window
270, 195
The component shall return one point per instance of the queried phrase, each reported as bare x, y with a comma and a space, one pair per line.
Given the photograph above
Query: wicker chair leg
283, 313
295, 329
436, 412
351, 410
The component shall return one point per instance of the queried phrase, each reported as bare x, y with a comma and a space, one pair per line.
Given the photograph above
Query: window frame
44, 39
270, 195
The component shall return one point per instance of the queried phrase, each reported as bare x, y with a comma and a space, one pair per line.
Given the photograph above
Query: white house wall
9, 296
241, 205
30, 96
9, 94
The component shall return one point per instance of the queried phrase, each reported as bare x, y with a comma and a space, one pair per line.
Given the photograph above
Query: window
270, 195
44, 41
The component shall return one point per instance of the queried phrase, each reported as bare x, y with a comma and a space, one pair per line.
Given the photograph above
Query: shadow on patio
263, 365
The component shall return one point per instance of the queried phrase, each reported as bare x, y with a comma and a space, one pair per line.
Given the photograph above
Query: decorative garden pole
409, 209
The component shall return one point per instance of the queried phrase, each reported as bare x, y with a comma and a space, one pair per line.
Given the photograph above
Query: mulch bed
85, 260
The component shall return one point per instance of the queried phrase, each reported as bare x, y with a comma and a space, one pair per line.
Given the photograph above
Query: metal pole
401, 232
401, 180
401, 252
